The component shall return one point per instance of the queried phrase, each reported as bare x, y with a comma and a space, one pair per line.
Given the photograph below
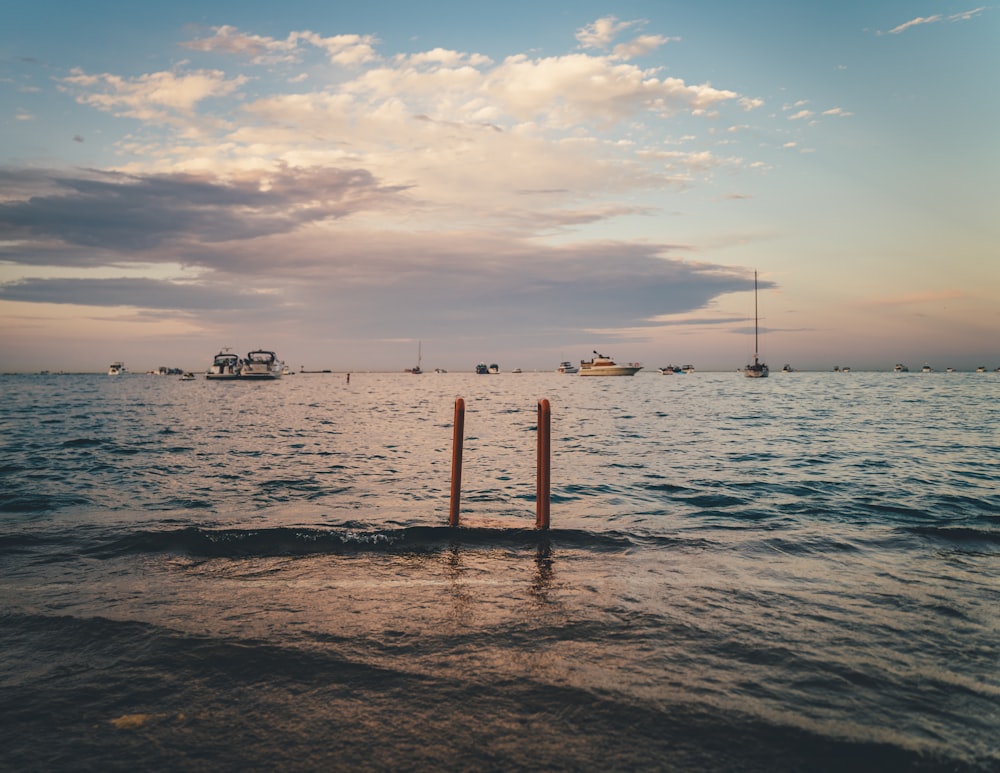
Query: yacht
494, 368
225, 367
261, 365
601, 365
116, 369
900, 368
482, 370
567, 367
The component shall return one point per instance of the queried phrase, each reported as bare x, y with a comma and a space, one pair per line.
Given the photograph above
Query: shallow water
798, 573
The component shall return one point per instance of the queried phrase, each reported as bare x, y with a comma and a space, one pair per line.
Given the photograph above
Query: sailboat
758, 369
416, 370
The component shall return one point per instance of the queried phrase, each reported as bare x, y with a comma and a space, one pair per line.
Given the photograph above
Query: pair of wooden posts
543, 467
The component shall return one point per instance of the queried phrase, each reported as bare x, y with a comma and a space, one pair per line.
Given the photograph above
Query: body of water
797, 573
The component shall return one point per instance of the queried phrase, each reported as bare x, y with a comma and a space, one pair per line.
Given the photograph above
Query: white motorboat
261, 365
116, 369
601, 365
758, 369
567, 367
225, 367
494, 368
187, 377
900, 368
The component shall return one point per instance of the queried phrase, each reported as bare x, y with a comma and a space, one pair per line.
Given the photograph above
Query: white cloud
602, 32
935, 18
152, 97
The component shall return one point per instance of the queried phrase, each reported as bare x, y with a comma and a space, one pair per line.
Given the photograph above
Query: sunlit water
796, 573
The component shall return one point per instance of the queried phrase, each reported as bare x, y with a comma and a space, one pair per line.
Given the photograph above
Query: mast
756, 346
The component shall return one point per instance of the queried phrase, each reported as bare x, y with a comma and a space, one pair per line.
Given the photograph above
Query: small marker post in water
456, 462
543, 476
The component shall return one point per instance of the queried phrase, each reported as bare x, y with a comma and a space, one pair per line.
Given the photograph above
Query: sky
350, 185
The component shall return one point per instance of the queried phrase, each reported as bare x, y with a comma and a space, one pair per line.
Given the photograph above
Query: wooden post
543, 475
456, 462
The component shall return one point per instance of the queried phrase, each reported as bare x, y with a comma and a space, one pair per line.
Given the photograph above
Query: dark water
801, 573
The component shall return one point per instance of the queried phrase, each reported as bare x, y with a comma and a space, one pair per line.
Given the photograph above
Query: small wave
40, 503
285, 541
85, 442
956, 534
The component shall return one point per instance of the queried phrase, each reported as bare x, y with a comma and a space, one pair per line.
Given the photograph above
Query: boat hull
611, 370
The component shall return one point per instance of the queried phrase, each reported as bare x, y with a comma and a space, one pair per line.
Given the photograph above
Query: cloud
340, 49
126, 213
128, 292
438, 188
934, 19
154, 97
602, 32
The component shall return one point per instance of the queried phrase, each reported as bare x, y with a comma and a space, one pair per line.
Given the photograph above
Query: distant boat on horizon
416, 371
602, 365
758, 369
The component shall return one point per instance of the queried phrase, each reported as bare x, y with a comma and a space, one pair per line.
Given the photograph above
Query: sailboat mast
756, 345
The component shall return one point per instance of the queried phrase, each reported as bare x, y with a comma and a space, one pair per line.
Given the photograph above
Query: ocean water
797, 573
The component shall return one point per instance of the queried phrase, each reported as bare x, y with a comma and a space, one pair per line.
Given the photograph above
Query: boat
900, 368
116, 369
440, 370
926, 369
602, 365
416, 370
670, 370
187, 377
516, 370
482, 370
567, 367
687, 368
494, 368
225, 367
261, 365
981, 369
758, 369
786, 368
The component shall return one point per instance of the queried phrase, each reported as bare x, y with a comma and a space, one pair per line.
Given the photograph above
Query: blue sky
520, 183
